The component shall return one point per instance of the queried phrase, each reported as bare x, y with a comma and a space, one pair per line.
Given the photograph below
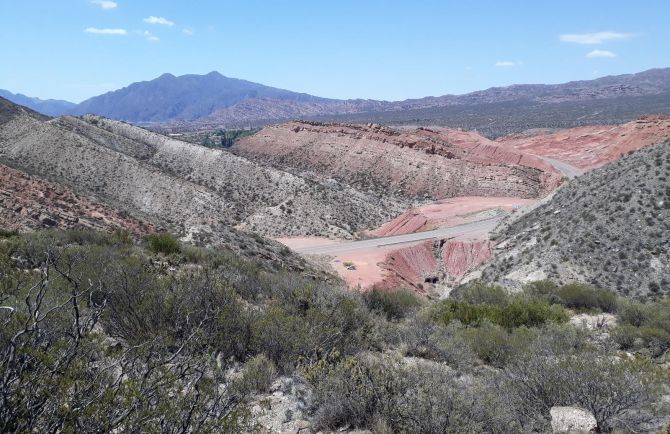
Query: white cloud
188, 31
150, 36
508, 63
601, 54
97, 31
159, 20
594, 38
105, 4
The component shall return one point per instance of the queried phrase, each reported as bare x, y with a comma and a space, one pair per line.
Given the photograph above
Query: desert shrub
573, 295
64, 329
449, 344
393, 304
311, 322
372, 391
620, 393
479, 293
4, 233
163, 243
650, 314
516, 313
654, 340
495, 345
256, 376
579, 296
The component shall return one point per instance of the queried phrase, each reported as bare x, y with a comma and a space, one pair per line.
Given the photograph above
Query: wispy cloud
594, 38
98, 31
188, 31
159, 20
150, 36
601, 54
507, 63
105, 4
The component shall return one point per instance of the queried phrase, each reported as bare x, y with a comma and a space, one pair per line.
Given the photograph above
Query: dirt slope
418, 164
592, 146
28, 203
608, 227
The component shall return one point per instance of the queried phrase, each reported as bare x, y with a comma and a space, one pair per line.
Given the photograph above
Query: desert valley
205, 254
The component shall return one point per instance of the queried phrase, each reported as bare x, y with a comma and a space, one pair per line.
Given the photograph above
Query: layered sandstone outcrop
416, 164
423, 266
592, 146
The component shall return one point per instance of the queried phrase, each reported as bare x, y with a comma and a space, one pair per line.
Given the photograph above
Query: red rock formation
29, 203
425, 163
593, 146
461, 257
408, 222
410, 267
421, 266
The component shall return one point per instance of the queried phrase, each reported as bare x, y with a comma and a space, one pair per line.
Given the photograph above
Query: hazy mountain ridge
214, 101
49, 107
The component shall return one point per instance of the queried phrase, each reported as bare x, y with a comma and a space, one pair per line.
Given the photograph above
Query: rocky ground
608, 227
28, 203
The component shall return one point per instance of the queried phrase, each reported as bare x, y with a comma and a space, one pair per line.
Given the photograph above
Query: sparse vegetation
190, 338
609, 229
164, 243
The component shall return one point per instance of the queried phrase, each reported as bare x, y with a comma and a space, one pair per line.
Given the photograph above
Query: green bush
257, 376
620, 393
579, 296
394, 304
655, 340
573, 295
163, 243
516, 313
650, 314
7, 234
495, 345
479, 293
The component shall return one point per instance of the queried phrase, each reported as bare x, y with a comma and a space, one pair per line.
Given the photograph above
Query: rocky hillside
196, 191
592, 146
608, 228
416, 164
28, 203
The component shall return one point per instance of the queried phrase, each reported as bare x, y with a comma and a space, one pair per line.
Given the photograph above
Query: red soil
28, 203
419, 267
446, 213
593, 146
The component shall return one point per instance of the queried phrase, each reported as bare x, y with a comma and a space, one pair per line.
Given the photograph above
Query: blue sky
74, 49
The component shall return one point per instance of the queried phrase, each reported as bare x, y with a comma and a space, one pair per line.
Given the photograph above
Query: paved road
566, 169
454, 231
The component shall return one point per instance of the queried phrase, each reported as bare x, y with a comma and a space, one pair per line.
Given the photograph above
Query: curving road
568, 170
455, 231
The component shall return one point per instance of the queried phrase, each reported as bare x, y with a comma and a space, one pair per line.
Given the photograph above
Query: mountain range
51, 107
211, 101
